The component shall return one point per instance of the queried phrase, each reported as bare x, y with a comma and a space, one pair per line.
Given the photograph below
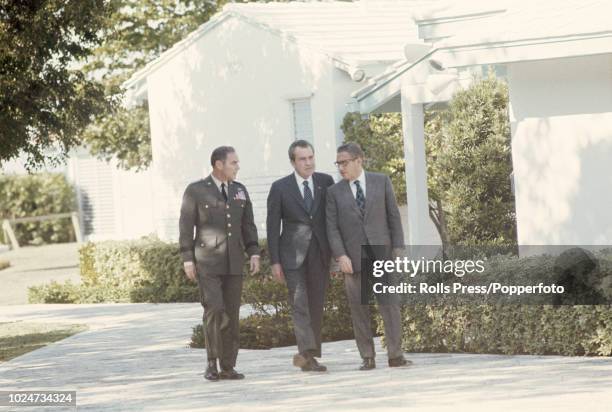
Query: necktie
359, 197
223, 192
307, 196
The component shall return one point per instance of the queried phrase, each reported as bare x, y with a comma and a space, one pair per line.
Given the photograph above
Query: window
302, 119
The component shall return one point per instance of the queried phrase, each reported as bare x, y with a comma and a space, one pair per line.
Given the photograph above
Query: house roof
542, 19
354, 34
501, 31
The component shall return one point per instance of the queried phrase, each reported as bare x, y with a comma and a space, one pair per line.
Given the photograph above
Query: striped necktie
359, 197
307, 196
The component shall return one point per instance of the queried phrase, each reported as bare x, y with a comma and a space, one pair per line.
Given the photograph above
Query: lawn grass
18, 338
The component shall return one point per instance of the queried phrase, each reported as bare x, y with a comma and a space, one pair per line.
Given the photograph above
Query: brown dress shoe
399, 361
231, 374
314, 366
308, 363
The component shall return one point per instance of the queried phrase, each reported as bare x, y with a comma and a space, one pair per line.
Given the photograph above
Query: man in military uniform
216, 227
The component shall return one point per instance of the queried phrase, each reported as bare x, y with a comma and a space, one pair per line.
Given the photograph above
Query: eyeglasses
343, 163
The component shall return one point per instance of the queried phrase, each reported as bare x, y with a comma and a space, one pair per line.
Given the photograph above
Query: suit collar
370, 192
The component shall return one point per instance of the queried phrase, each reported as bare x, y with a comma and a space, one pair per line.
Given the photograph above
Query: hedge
149, 270
145, 270
37, 195
509, 329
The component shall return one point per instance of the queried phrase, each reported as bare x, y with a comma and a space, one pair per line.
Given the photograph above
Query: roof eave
512, 51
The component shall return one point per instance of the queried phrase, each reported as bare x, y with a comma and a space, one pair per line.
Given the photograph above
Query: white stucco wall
234, 86
561, 114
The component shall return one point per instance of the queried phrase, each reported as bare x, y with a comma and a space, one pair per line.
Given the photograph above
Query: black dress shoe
211, 371
230, 374
400, 361
367, 364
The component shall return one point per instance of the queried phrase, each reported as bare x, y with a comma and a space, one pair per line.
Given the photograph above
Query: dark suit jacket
348, 229
213, 234
286, 206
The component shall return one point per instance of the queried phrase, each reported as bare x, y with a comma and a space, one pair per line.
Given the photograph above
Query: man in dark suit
216, 228
300, 254
362, 210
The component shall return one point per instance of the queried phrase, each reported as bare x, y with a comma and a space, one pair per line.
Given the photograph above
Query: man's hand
277, 273
254, 264
190, 271
346, 266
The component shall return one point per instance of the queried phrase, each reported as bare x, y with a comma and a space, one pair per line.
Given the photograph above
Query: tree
137, 32
380, 137
468, 163
45, 101
469, 166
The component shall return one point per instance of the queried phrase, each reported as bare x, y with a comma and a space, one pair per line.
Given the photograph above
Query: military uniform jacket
214, 234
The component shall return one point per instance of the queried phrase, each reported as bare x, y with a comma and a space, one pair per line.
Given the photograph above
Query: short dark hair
220, 153
352, 148
298, 143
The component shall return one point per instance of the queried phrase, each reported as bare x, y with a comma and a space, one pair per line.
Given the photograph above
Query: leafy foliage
45, 101
380, 137
470, 165
136, 32
511, 329
468, 162
38, 195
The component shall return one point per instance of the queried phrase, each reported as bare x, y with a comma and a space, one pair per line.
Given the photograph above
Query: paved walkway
136, 357
36, 265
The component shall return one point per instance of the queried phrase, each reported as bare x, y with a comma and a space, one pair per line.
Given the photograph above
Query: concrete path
35, 265
136, 357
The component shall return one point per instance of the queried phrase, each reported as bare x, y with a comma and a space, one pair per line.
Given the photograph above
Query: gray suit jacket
286, 206
215, 234
348, 229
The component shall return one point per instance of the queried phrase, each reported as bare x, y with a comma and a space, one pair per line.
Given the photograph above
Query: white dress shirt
362, 183
300, 182
218, 183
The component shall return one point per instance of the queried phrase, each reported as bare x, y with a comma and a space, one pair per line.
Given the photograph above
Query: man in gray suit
300, 254
362, 210
216, 227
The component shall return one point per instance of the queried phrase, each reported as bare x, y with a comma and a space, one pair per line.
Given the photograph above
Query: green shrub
38, 195
257, 331
54, 292
145, 270
4, 264
509, 329
540, 329
69, 292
